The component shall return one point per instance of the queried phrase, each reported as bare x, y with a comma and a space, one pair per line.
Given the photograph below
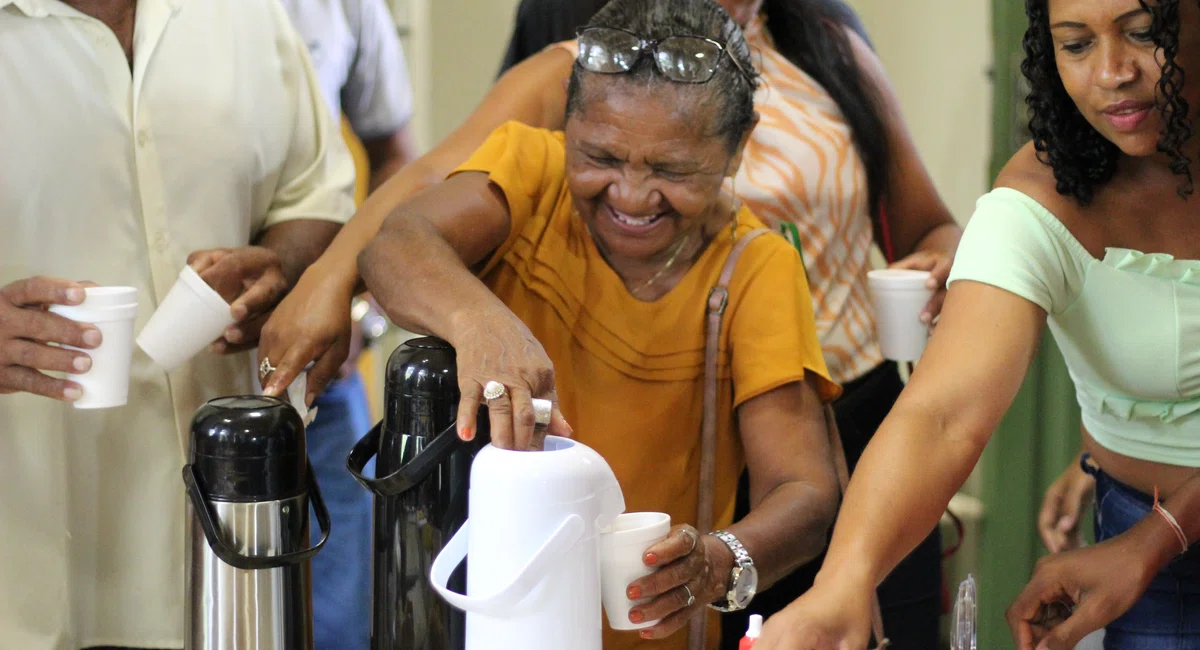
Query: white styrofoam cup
897, 297
192, 316
622, 546
112, 310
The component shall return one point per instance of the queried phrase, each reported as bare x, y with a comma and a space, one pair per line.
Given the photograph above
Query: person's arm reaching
793, 496
920, 456
434, 240
312, 322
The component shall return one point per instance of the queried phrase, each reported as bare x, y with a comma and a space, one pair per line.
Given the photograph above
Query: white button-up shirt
357, 55
115, 176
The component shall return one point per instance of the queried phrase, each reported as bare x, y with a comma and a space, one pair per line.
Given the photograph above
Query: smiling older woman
577, 265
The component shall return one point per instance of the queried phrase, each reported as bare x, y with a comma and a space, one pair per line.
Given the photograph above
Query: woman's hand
495, 346
311, 324
831, 616
938, 264
1078, 592
691, 571
1065, 501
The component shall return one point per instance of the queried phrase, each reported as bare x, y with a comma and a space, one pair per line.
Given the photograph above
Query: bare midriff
1142, 475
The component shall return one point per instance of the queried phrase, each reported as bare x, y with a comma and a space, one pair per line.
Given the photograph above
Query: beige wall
454, 52
937, 54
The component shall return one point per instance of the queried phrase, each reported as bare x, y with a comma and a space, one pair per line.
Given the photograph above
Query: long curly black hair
1081, 158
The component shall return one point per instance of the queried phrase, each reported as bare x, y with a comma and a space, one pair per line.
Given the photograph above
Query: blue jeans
341, 571
1167, 616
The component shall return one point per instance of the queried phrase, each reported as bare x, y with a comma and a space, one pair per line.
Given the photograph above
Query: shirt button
142, 138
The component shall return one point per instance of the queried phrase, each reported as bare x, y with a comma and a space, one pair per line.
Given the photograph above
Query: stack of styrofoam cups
192, 316
897, 297
112, 310
622, 547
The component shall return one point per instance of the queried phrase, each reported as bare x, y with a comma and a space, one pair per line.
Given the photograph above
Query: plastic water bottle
963, 633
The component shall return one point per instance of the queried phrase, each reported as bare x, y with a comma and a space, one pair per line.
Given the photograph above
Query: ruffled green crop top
1128, 325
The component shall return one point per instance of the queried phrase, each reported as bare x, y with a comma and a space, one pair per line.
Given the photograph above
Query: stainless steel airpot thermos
249, 487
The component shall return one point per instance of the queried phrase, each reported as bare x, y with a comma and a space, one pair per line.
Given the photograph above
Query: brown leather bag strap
718, 300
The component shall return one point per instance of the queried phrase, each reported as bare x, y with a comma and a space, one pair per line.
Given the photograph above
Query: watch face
745, 586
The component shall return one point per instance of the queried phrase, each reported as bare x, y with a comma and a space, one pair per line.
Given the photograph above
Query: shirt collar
43, 8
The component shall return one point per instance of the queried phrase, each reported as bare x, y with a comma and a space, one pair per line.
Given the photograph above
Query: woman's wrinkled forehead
670, 106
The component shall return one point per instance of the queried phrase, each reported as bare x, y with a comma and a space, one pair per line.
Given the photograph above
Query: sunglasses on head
685, 59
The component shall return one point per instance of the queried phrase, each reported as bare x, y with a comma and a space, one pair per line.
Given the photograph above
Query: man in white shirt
132, 136
357, 56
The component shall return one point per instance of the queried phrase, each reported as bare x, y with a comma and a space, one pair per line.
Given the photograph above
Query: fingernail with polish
645, 634
633, 593
466, 433
81, 364
636, 616
71, 393
92, 338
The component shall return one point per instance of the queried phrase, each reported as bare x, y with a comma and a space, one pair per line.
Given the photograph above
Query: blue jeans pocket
1167, 616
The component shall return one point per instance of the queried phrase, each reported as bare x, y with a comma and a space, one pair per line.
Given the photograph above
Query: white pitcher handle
506, 600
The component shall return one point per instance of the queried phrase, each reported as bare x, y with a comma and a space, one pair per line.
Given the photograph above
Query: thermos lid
247, 427
424, 366
249, 448
428, 343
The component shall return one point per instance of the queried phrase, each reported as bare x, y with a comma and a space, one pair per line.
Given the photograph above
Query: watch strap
741, 562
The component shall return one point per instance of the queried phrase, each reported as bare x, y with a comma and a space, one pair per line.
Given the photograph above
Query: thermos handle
409, 474
506, 601
229, 555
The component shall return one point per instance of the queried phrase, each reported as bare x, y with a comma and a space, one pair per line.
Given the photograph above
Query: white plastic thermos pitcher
532, 544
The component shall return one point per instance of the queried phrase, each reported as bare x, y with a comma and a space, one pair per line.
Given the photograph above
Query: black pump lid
249, 448
247, 427
424, 366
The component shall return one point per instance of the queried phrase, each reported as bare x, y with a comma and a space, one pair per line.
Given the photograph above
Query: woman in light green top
1093, 229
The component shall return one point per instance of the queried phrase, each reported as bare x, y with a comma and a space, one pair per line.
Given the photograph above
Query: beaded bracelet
1170, 519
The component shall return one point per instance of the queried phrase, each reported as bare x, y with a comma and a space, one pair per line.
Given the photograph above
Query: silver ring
494, 390
265, 369
691, 598
695, 539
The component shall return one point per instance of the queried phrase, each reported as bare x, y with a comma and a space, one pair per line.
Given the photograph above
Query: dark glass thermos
249, 486
420, 494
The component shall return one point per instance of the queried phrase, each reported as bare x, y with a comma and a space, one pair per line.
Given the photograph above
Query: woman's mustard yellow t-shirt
630, 374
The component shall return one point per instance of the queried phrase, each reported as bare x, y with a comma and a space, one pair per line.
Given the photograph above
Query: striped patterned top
802, 175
